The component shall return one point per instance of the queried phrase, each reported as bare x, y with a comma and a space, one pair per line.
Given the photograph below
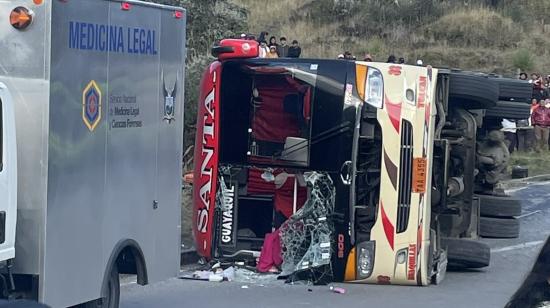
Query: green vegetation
536, 162
207, 22
497, 36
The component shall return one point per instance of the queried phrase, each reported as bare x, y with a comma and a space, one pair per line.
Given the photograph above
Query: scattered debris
215, 277
247, 276
229, 273
244, 287
204, 275
337, 290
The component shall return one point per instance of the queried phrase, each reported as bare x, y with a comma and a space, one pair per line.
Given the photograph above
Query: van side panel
77, 160
115, 144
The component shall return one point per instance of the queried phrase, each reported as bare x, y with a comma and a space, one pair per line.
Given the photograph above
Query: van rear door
8, 176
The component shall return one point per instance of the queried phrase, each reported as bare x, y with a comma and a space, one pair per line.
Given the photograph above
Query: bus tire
499, 206
466, 253
472, 91
509, 110
498, 227
514, 90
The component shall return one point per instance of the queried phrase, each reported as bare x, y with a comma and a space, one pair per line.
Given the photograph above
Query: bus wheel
466, 253
499, 206
498, 227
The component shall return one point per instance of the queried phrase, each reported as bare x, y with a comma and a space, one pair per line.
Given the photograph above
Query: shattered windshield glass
306, 236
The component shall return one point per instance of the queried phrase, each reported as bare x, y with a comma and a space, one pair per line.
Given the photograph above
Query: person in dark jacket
273, 42
294, 51
392, 59
262, 36
282, 49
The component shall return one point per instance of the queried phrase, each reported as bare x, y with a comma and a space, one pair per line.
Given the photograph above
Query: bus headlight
374, 88
365, 259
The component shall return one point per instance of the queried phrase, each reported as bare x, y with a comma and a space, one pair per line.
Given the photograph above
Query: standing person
509, 129
273, 42
401, 60
368, 58
272, 54
541, 121
282, 49
348, 55
391, 59
523, 76
264, 50
537, 86
295, 50
262, 36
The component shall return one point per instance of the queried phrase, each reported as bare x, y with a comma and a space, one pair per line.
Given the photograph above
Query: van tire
111, 292
499, 206
466, 253
472, 91
498, 227
509, 110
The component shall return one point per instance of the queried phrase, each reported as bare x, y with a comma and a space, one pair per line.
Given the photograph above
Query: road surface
489, 287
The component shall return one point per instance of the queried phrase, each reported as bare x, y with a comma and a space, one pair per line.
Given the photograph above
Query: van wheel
472, 91
466, 253
499, 206
498, 227
112, 292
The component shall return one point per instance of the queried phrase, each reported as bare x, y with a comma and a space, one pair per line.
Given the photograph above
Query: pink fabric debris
271, 252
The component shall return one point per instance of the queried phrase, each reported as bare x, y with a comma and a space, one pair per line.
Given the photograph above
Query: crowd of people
369, 58
531, 134
278, 49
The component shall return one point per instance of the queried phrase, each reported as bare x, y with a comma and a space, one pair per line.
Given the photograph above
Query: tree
208, 21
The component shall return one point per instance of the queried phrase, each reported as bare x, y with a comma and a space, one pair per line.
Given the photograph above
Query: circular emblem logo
246, 47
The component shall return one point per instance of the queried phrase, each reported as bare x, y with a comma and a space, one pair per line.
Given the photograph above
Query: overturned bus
369, 172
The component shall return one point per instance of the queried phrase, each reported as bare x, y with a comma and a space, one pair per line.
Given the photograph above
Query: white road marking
529, 214
519, 246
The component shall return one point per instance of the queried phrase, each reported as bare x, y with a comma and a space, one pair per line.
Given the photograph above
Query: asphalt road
489, 287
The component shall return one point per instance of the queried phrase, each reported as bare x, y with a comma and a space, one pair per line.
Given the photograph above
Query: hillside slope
499, 36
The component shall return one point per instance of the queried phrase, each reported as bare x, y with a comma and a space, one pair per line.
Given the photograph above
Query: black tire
472, 91
509, 110
499, 206
514, 90
498, 227
466, 253
111, 292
